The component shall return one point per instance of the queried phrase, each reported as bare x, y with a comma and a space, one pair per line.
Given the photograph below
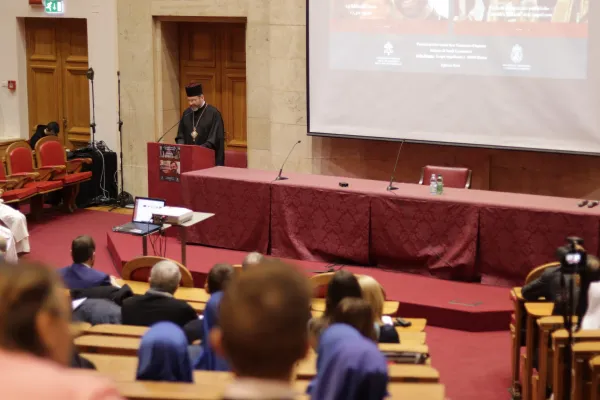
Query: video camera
572, 257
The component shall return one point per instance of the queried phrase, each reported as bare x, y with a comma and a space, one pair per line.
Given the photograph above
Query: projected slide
533, 38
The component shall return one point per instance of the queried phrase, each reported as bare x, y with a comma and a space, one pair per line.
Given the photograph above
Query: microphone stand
124, 198
283, 178
90, 76
391, 185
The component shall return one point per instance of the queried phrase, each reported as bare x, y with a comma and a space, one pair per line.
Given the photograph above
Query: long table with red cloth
462, 234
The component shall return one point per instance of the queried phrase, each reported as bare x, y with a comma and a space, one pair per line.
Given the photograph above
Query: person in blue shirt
81, 275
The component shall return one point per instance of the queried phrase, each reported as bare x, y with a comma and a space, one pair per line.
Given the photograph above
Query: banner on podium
169, 159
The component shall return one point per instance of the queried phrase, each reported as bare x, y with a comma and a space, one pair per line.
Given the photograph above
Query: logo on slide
516, 55
388, 49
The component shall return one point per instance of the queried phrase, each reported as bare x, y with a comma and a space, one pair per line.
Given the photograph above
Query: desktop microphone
282, 178
391, 185
171, 128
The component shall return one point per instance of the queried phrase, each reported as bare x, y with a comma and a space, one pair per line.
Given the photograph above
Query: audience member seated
262, 332
52, 129
35, 342
112, 293
372, 294
358, 314
81, 275
253, 258
97, 311
158, 303
349, 367
17, 223
209, 360
163, 355
216, 281
343, 284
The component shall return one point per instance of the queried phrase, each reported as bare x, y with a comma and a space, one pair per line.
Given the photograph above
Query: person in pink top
35, 342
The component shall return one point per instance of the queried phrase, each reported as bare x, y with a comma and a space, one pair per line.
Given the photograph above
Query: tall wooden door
57, 84
214, 54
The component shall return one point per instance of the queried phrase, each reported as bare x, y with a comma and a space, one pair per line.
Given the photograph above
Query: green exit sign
54, 6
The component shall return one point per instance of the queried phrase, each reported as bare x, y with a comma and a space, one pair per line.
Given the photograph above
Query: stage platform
454, 305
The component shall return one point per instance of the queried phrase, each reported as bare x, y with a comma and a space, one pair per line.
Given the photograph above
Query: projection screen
490, 73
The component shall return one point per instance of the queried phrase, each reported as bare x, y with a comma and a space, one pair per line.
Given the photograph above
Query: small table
196, 218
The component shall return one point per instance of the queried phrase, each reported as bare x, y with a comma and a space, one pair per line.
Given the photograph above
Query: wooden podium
192, 158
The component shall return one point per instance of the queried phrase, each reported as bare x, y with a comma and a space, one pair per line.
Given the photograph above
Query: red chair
13, 190
236, 159
50, 153
453, 177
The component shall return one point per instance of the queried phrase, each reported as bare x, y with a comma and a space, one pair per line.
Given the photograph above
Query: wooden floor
124, 211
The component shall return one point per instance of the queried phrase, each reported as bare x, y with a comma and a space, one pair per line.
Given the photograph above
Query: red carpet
472, 366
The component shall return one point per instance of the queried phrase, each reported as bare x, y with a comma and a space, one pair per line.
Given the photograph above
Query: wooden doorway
57, 84
214, 54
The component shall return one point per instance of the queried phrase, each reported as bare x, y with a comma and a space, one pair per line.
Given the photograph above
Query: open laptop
141, 222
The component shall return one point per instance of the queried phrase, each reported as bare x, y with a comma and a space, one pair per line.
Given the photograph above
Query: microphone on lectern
282, 178
176, 123
391, 185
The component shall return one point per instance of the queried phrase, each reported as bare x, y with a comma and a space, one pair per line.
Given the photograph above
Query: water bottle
433, 184
440, 184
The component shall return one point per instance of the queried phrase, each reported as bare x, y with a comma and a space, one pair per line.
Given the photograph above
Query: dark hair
54, 127
358, 314
218, 277
24, 292
343, 284
263, 317
82, 249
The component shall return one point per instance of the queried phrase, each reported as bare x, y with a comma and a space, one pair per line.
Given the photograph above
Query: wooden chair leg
37, 206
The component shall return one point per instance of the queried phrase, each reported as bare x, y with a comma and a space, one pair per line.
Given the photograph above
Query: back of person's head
372, 294
83, 250
34, 312
165, 276
349, 367
163, 355
253, 258
263, 318
343, 284
358, 314
219, 277
53, 128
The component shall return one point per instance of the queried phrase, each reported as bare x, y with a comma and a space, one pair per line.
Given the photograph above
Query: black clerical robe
211, 133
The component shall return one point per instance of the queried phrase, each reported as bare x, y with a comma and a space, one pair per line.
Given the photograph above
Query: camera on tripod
572, 257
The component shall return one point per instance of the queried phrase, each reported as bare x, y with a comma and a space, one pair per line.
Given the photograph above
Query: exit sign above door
54, 6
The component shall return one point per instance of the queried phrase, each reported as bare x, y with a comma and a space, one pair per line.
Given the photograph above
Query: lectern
163, 185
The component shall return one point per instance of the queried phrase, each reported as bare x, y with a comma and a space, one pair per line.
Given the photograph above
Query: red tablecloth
461, 234
239, 198
317, 220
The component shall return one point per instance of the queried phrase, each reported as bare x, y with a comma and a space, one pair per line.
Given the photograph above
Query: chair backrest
454, 177
49, 151
538, 271
139, 268
236, 159
19, 158
3, 171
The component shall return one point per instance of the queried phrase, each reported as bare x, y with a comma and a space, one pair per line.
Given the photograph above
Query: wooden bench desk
183, 391
117, 330
78, 328
559, 343
389, 307
583, 352
195, 295
595, 368
102, 344
534, 311
409, 337
417, 324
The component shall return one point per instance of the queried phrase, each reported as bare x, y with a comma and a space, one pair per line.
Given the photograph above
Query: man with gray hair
253, 258
158, 303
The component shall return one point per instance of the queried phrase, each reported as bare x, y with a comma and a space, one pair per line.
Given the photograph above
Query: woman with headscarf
349, 367
209, 360
163, 355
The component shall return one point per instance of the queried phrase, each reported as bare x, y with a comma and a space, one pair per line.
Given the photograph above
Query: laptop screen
144, 208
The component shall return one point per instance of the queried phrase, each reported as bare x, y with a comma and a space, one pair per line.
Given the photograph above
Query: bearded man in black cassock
202, 124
